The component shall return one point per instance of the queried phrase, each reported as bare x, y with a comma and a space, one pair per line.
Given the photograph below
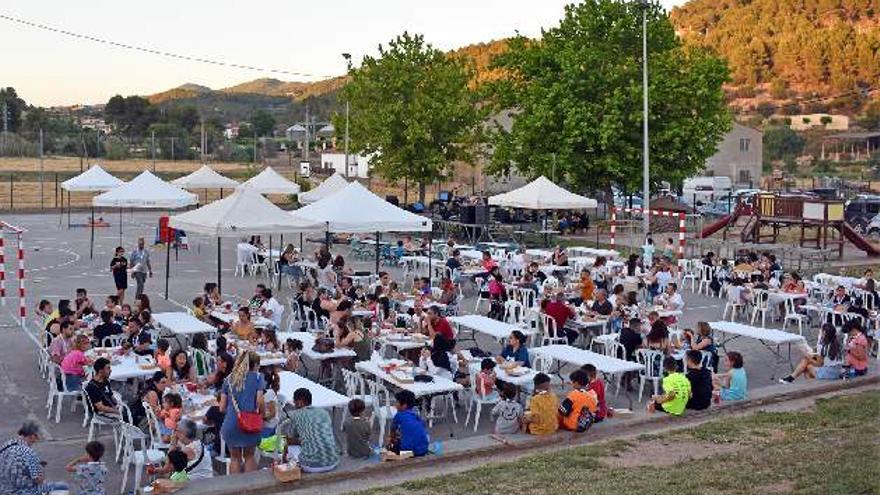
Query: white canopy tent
246, 212
205, 178
356, 210
143, 192
95, 179
331, 185
542, 194
271, 182
146, 191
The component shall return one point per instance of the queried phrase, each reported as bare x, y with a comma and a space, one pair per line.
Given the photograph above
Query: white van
706, 189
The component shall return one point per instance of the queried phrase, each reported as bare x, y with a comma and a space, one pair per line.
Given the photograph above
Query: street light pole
646, 169
347, 57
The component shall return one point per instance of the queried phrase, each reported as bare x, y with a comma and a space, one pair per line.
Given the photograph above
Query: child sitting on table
172, 410
486, 379
577, 409
541, 416
507, 412
358, 431
408, 431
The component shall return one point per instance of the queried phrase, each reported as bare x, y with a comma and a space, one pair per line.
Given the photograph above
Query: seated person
602, 306
199, 310
99, 391
825, 363
733, 384
310, 431
597, 386
107, 328
676, 390
541, 416
515, 350
139, 340
84, 306
577, 409
408, 430
507, 412
701, 381
358, 431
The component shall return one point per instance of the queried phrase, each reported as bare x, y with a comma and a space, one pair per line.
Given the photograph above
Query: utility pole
153, 148
5, 123
646, 167
172, 149
41, 168
255, 146
347, 57
203, 142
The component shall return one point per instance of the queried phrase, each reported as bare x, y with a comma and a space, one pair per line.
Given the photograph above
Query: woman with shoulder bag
242, 402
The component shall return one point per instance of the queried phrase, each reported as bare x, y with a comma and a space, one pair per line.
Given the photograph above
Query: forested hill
827, 47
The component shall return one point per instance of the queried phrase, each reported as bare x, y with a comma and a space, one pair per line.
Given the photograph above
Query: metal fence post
11, 190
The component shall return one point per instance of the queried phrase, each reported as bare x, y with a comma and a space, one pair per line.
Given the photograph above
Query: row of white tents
335, 206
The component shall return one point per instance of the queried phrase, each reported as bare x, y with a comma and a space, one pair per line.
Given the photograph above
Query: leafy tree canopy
411, 109
576, 95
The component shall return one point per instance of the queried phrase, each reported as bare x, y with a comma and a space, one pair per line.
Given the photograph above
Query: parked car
860, 211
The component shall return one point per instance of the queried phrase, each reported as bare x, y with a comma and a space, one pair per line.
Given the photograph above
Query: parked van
706, 189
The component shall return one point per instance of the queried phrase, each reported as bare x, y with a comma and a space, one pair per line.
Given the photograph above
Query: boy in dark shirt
701, 382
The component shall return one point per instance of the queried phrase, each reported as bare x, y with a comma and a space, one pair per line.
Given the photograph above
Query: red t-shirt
559, 312
598, 386
443, 328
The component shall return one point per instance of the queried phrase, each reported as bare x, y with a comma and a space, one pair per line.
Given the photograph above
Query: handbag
248, 421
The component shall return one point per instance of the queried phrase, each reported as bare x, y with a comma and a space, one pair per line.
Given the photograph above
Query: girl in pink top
857, 352
73, 363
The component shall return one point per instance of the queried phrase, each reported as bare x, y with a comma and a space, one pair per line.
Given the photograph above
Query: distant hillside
294, 90
825, 48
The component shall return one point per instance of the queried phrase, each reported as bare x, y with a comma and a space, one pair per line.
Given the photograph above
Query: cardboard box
387, 455
287, 472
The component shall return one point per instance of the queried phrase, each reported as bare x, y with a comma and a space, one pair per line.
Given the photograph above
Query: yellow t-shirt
543, 412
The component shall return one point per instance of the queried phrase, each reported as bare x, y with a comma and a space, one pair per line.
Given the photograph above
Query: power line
152, 51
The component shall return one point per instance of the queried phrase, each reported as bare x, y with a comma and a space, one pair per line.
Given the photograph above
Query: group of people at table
357, 317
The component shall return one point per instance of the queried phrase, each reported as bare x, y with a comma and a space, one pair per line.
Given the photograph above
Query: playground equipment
6, 228
760, 218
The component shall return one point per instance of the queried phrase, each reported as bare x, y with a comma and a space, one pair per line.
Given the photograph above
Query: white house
827, 121
358, 165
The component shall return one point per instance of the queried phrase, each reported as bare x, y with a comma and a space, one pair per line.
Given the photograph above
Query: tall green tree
14, 106
576, 97
263, 123
411, 110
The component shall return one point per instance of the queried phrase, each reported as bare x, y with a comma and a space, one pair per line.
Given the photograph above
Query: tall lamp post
646, 182
347, 57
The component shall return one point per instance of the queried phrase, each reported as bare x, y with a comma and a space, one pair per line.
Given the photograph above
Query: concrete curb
263, 482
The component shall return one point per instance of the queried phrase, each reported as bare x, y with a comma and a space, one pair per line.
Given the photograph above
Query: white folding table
771, 339
482, 324
182, 323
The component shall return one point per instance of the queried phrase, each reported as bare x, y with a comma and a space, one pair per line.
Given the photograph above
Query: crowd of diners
628, 297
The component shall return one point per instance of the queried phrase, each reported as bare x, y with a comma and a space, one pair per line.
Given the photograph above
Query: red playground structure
760, 218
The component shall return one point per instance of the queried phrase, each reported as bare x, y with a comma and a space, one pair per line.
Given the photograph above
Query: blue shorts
829, 373
73, 382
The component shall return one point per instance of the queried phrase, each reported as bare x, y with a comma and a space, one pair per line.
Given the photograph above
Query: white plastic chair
650, 371
514, 313
707, 274
95, 421
138, 456
792, 315
156, 441
761, 304
355, 388
384, 409
57, 395
311, 320
478, 400
551, 335
484, 287
527, 297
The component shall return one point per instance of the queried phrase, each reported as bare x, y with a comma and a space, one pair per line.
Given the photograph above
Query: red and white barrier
20, 272
660, 213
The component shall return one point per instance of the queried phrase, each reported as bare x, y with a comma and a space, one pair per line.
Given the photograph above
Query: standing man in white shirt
140, 266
